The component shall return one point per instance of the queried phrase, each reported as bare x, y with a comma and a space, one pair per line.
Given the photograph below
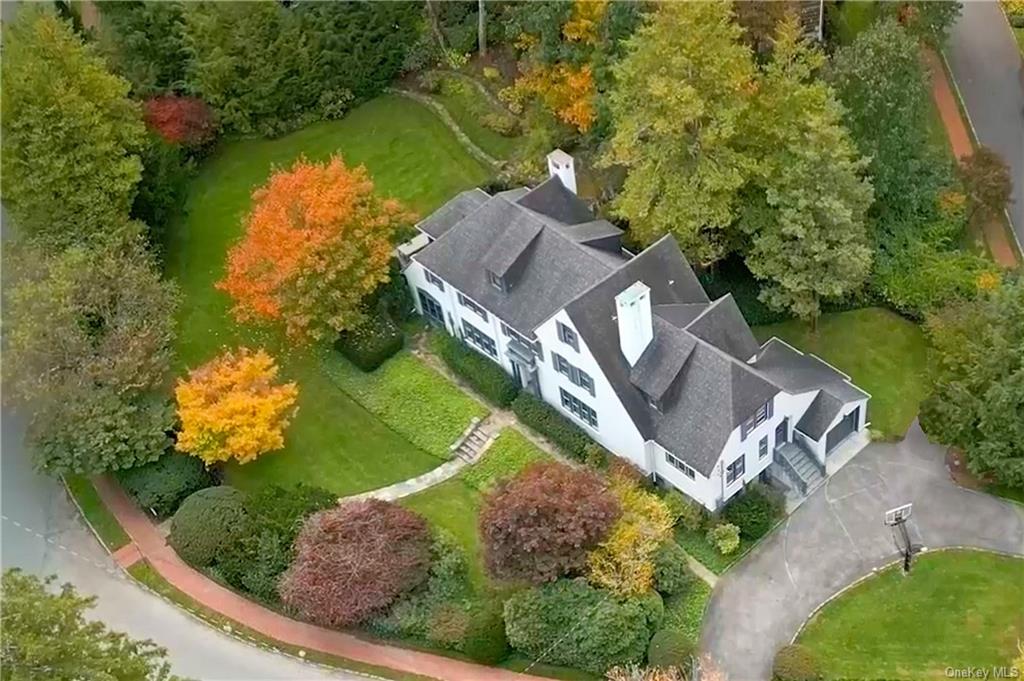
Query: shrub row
486, 377
372, 343
543, 418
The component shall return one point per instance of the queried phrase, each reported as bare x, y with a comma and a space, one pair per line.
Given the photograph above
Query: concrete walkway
986, 65
165, 561
838, 536
960, 141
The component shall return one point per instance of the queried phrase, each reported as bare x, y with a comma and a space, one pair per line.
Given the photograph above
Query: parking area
837, 536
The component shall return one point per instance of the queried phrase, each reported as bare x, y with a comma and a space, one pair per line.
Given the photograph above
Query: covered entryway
842, 430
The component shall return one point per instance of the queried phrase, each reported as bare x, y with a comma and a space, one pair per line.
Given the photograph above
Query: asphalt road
43, 534
986, 66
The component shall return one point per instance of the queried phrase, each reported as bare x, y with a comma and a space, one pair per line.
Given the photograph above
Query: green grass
144, 573
333, 441
454, 505
1007, 492
882, 352
955, 609
95, 512
685, 612
410, 397
467, 106
697, 545
520, 663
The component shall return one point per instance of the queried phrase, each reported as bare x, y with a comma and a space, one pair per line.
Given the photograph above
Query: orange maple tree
568, 91
317, 241
231, 408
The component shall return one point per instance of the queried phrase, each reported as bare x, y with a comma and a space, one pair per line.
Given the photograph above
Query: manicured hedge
670, 648
207, 523
163, 484
795, 663
371, 343
486, 377
543, 418
671, 576
754, 511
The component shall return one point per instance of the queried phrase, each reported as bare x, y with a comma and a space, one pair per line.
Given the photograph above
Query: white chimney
633, 312
562, 166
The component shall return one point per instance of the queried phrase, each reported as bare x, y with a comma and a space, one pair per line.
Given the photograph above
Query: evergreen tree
143, 43
806, 211
677, 111
71, 135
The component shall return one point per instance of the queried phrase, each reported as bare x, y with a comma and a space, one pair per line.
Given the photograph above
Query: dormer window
496, 281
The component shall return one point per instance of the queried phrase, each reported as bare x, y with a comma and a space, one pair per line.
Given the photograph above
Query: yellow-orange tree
317, 241
624, 562
231, 408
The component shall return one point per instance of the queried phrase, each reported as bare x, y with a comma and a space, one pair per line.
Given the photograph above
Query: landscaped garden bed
955, 609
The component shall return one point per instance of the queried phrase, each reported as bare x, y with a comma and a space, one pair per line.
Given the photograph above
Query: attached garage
842, 430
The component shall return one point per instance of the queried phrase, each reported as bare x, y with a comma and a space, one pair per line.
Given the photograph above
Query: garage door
842, 430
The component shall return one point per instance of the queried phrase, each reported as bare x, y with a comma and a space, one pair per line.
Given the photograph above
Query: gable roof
445, 217
819, 415
721, 324
796, 372
552, 199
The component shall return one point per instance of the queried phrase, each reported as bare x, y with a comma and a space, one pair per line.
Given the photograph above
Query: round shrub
686, 512
795, 663
671, 576
541, 524
653, 607
568, 622
484, 640
371, 343
207, 523
162, 484
725, 537
355, 560
670, 648
754, 511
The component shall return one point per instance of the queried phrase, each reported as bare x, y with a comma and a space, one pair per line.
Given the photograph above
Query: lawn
333, 442
955, 609
95, 512
685, 612
697, 545
882, 352
454, 505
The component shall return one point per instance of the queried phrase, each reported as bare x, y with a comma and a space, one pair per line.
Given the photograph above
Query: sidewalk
998, 242
151, 546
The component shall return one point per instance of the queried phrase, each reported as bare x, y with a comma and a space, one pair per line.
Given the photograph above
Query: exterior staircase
472, 443
802, 469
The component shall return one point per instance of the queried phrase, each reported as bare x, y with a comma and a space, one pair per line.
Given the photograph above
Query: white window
574, 374
762, 447
568, 336
578, 408
676, 462
763, 413
466, 302
534, 345
479, 338
734, 471
434, 279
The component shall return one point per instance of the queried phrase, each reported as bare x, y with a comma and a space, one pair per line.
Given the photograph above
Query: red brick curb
151, 545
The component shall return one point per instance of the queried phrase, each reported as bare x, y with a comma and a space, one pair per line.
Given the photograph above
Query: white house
630, 348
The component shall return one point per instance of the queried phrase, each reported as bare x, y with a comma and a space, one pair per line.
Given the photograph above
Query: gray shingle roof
795, 372
445, 217
660, 364
552, 199
679, 314
819, 415
723, 326
548, 268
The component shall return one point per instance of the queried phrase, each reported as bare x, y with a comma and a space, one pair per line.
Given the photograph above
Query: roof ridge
706, 310
615, 270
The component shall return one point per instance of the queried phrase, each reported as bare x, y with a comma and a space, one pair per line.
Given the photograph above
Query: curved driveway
43, 534
837, 536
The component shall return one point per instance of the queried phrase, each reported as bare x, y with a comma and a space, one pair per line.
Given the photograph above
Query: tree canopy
976, 398
88, 351
47, 636
317, 242
71, 135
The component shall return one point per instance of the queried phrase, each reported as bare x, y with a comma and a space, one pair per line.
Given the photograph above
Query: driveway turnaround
838, 536
986, 66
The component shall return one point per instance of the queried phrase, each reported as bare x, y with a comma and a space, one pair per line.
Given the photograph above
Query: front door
782, 432
517, 373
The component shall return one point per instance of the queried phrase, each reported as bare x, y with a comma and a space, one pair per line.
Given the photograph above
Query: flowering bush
180, 120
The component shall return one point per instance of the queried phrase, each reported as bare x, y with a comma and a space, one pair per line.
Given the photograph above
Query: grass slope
95, 512
333, 441
955, 609
882, 352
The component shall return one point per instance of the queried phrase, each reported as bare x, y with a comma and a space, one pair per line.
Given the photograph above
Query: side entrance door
782, 432
431, 308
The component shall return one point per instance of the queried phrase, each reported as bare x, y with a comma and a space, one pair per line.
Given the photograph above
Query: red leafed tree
540, 525
180, 120
355, 560
317, 242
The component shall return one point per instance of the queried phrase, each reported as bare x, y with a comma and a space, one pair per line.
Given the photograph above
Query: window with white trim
479, 339
762, 447
577, 408
534, 345
568, 336
676, 462
575, 374
434, 279
734, 470
763, 413
466, 302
